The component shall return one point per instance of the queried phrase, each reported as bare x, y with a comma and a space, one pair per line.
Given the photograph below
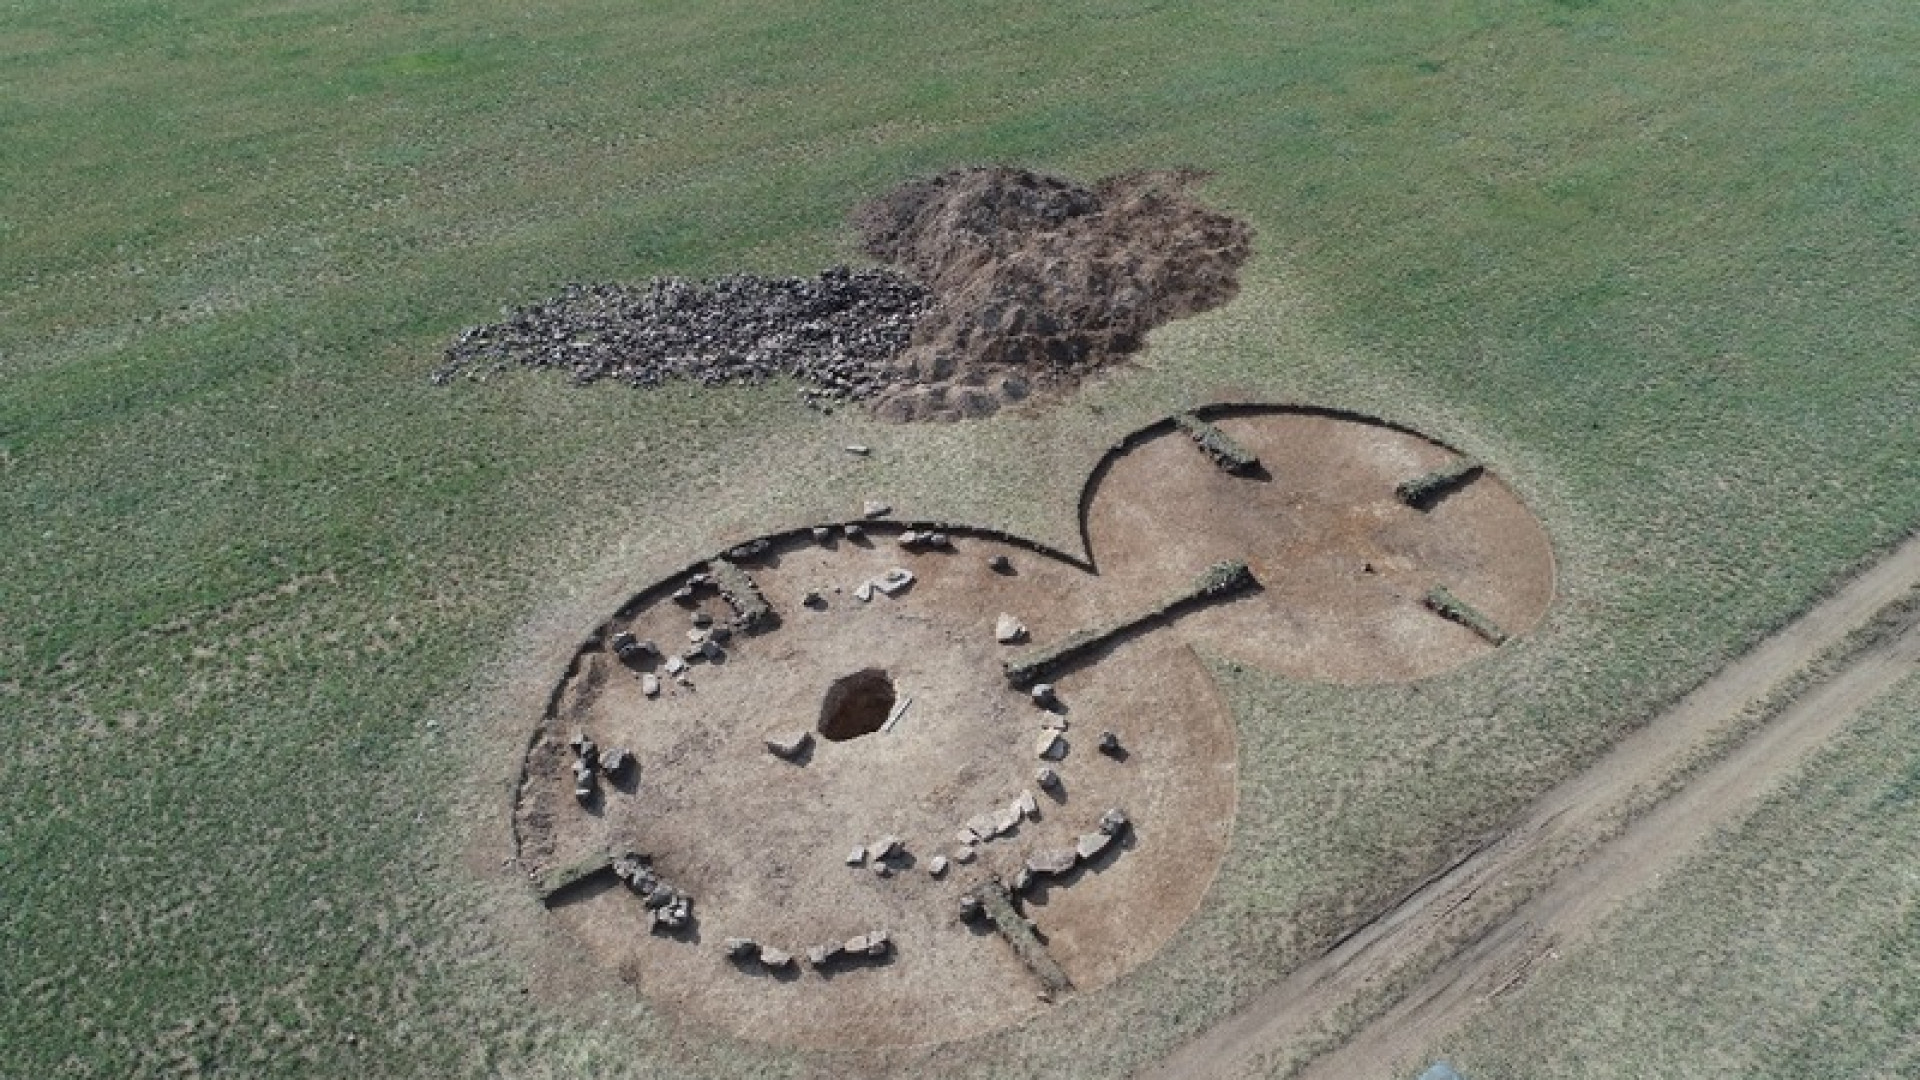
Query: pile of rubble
838, 331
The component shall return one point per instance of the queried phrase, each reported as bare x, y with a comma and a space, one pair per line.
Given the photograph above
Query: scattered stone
720, 634
822, 535
878, 942
857, 857
813, 599
683, 596
880, 869
1054, 721
1000, 564
909, 539
864, 591
1046, 778
740, 948
1092, 844
964, 855
939, 540
1021, 880
1110, 744
775, 959
859, 450
1113, 822
888, 847
970, 908
853, 530
874, 509
615, 763
582, 781
937, 865
789, 744
1026, 805
1051, 746
650, 684
702, 620
674, 915
1008, 630
821, 955
1044, 695
855, 945
983, 826
1055, 861
712, 651
894, 581
675, 665
1007, 820
697, 637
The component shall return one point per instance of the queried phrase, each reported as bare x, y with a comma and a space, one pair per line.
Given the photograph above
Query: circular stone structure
861, 752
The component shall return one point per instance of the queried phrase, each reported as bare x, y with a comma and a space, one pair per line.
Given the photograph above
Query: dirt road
1564, 839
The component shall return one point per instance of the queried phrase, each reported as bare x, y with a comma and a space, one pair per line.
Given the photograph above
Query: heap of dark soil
1037, 280
837, 331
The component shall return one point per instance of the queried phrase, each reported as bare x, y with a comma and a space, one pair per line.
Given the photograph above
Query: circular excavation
886, 783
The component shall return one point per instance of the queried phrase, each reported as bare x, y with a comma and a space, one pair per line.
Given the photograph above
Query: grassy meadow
270, 603
1789, 948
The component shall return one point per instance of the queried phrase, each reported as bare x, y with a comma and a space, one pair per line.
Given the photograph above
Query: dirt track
1564, 839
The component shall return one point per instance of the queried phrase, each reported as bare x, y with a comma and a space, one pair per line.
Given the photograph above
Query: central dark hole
856, 705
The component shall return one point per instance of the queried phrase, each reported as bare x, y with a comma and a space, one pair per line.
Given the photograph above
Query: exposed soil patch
1037, 280
1006, 282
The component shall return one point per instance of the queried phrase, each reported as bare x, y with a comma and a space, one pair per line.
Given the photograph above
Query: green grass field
265, 590
1790, 948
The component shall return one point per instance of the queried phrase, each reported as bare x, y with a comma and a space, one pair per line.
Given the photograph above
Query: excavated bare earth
762, 842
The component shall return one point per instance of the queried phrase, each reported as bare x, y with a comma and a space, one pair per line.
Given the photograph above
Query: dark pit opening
856, 705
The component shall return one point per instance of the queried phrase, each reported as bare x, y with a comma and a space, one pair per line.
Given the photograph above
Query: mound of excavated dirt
1007, 281
1037, 280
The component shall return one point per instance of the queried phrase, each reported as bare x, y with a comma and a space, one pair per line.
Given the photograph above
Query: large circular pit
888, 838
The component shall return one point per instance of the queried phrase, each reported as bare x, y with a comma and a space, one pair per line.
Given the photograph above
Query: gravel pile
838, 331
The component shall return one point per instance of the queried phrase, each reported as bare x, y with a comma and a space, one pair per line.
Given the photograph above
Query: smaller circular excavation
857, 705
886, 783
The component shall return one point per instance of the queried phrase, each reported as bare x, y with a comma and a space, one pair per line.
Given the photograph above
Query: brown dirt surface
762, 842
1491, 940
1037, 280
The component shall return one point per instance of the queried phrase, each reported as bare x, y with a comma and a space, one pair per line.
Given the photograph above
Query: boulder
675, 665
1046, 778
821, 955
864, 591
1000, 564
1006, 821
878, 942
775, 958
615, 763
939, 540
857, 857
812, 599
1053, 861
888, 847
1110, 744
822, 534
937, 865
970, 907
741, 948
1092, 844
853, 531
874, 509
963, 855
1044, 695
984, 826
650, 684
1022, 879
1026, 805
1113, 822
894, 581
1050, 747
1008, 630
